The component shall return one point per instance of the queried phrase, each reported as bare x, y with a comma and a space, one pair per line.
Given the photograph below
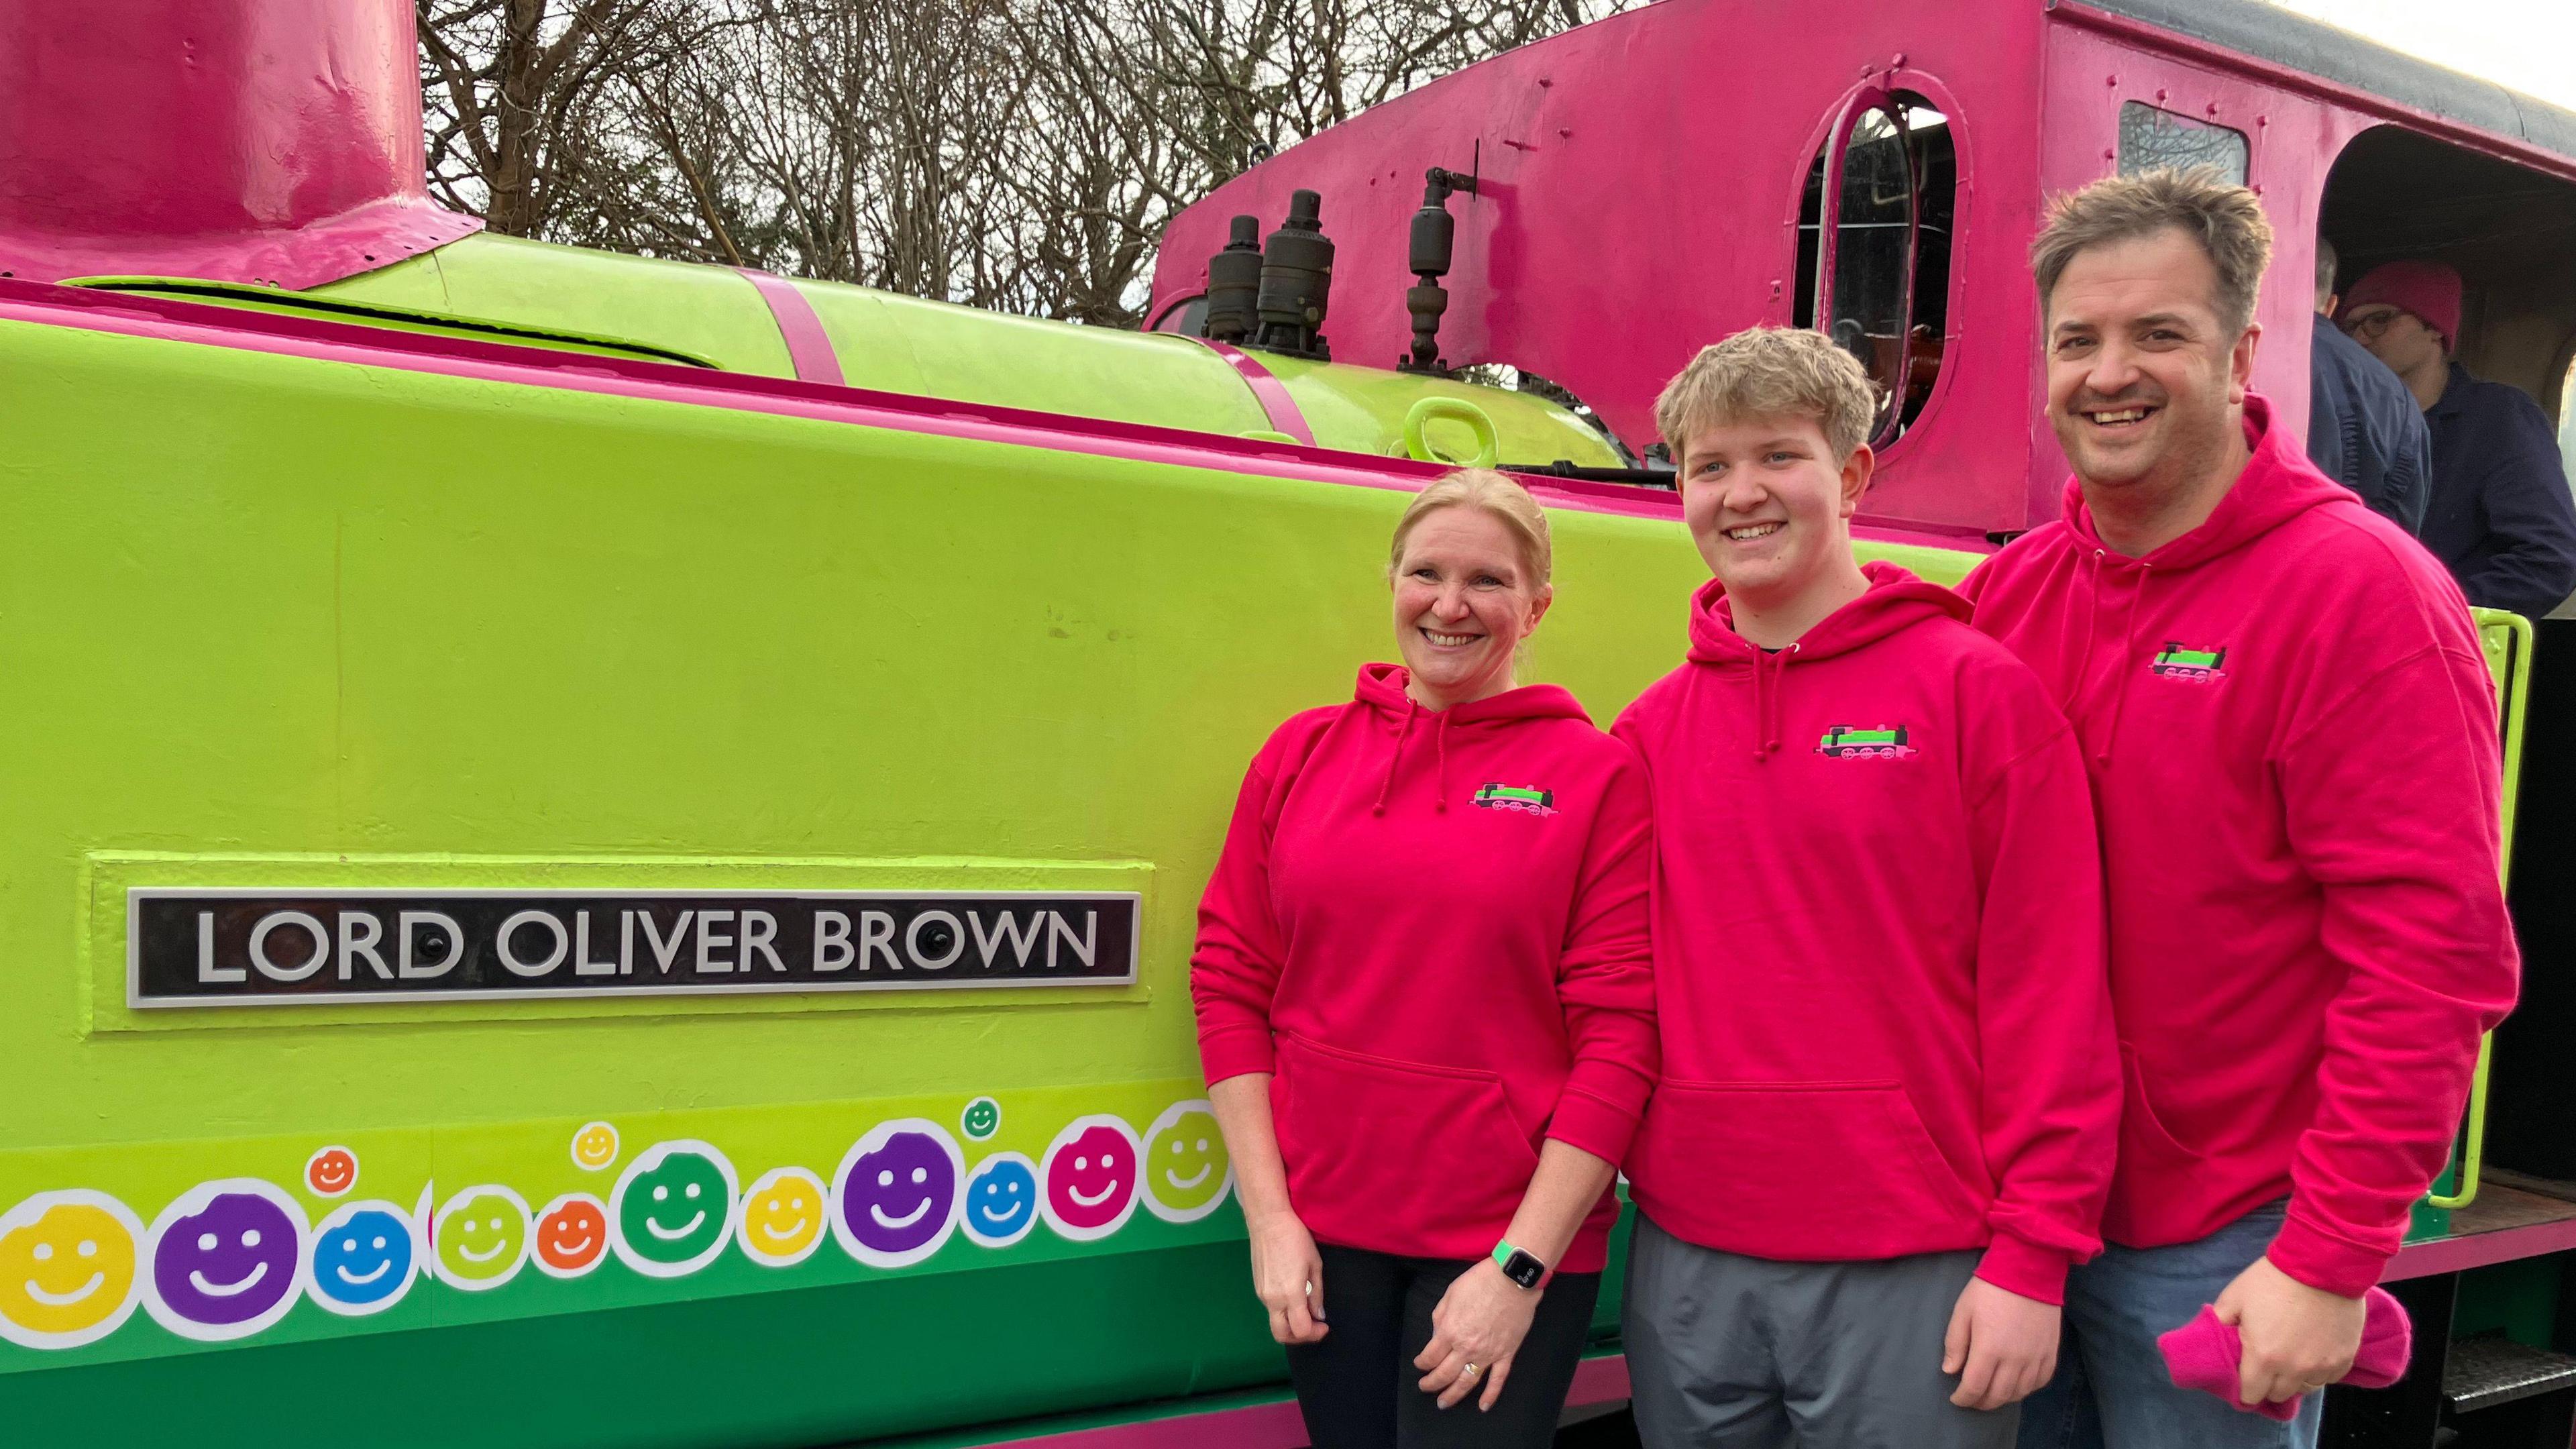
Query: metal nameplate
189, 946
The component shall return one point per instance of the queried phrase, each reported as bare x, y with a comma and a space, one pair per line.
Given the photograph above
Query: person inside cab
2364, 429
2499, 515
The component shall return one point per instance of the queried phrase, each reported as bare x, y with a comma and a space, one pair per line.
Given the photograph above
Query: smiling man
1878, 964
2292, 739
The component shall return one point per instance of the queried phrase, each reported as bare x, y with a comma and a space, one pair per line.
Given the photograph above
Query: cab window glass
1896, 202
2150, 138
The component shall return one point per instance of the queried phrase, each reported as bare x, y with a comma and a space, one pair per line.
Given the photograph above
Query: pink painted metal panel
1257, 1426
1640, 180
2478, 1250
809, 347
267, 141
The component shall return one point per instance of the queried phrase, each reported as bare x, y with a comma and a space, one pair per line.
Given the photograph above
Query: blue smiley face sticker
364, 1258
1001, 1200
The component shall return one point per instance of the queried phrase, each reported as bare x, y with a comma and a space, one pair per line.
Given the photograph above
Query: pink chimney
268, 141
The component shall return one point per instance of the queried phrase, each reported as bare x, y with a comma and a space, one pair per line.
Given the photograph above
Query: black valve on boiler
1234, 284
1296, 276
1434, 234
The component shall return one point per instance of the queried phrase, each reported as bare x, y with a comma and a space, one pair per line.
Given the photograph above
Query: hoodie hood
2278, 484
1381, 689
1896, 600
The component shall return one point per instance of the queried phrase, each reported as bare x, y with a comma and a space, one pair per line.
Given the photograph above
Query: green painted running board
822, 1366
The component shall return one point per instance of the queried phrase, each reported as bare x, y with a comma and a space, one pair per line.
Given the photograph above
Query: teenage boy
1890, 1096
2292, 739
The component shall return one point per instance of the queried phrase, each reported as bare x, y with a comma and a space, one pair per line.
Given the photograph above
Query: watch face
1524, 1270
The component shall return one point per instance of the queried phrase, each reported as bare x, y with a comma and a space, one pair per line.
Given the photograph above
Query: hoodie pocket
1398, 1156
1803, 1171
2145, 1141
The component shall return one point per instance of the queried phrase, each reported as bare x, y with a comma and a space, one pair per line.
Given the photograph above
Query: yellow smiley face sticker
1187, 1172
782, 1218
67, 1268
594, 1147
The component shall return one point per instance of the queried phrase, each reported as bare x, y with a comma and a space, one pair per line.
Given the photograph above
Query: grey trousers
1730, 1352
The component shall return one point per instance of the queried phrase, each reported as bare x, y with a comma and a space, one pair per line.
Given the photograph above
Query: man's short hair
1771, 372
2223, 217
2326, 264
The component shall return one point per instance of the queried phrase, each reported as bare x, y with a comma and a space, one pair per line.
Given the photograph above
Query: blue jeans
2112, 1390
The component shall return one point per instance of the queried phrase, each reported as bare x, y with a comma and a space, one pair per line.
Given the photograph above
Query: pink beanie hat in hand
2204, 1354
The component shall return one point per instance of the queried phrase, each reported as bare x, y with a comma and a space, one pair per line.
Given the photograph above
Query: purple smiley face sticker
1091, 1171
227, 1259
894, 1198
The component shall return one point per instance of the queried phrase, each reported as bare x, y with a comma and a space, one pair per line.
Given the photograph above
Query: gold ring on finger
1471, 1371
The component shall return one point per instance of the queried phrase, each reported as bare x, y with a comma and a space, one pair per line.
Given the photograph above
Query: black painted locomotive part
1568, 468
1435, 234
2531, 1083
1234, 283
1296, 278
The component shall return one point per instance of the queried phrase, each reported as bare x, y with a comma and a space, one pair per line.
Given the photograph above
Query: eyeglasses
2362, 326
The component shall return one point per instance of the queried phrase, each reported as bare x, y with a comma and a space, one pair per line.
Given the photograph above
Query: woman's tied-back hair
2223, 217
1771, 372
1490, 492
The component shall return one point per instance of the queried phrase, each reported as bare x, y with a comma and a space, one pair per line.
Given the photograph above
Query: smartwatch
1519, 1266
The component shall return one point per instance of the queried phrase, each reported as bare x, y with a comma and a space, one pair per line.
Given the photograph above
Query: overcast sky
2529, 45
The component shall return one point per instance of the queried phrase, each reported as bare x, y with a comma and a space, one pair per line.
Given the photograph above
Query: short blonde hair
1490, 492
1771, 372
2224, 218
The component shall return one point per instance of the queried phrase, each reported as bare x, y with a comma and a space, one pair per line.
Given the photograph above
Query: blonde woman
1425, 1009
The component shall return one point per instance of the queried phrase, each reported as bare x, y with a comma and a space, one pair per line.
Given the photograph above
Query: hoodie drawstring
1440, 752
2128, 663
1395, 757
2083, 675
1766, 702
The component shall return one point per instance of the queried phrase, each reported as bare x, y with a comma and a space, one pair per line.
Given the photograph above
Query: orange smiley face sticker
331, 1171
572, 1235
594, 1147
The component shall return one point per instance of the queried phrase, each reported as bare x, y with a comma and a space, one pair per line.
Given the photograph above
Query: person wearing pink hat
2500, 517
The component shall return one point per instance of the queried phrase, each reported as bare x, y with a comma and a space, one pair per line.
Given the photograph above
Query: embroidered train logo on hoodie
1850, 742
1522, 798
2191, 666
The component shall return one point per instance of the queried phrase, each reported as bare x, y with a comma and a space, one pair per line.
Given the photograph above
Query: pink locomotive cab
1628, 192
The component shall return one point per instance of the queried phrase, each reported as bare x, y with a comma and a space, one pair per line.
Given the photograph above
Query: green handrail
2514, 681
2474, 1156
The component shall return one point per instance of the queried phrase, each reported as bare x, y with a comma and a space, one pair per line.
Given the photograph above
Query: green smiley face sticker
983, 1118
1187, 1172
481, 1237
673, 1209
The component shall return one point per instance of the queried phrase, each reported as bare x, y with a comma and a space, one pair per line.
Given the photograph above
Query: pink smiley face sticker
1091, 1175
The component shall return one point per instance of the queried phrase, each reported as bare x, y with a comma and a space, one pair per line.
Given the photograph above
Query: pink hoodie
2292, 736
1878, 941
1431, 925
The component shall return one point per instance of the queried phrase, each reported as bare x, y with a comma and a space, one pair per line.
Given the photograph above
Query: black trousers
1357, 1387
